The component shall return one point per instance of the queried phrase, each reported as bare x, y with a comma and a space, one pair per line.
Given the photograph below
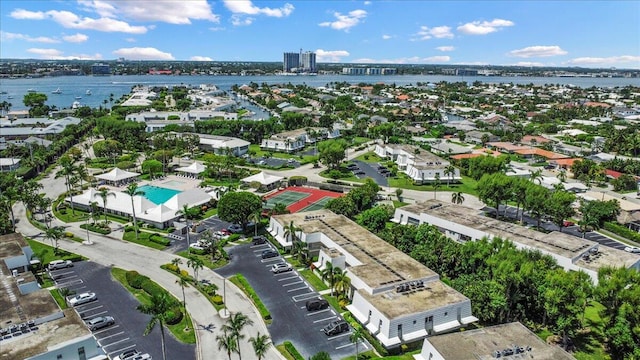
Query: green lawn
369, 157
143, 239
590, 342
178, 330
48, 254
313, 280
467, 186
59, 299
206, 259
282, 155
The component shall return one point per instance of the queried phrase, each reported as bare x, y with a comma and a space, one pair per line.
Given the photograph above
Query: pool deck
174, 182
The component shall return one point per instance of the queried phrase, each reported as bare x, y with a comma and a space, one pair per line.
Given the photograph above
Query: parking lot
180, 241
273, 162
285, 295
377, 172
114, 300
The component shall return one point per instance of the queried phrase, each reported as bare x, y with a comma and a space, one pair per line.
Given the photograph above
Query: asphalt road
371, 171
116, 301
285, 295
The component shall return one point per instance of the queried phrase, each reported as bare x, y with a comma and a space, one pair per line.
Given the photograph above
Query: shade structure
117, 175
263, 178
195, 168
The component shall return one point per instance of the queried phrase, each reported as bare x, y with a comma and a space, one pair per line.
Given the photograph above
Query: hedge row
95, 229
622, 231
292, 350
242, 282
142, 282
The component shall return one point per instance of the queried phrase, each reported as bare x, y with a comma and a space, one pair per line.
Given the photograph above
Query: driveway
285, 295
116, 301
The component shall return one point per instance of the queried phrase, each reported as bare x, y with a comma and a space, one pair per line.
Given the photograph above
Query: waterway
74, 88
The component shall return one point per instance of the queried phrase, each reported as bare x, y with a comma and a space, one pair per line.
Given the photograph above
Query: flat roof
479, 344
381, 263
434, 295
11, 245
555, 242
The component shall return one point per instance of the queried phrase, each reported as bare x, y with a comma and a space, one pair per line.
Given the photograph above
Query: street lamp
224, 314
88, 242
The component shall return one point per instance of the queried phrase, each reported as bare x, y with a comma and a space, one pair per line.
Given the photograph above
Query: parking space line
116, 343
324, 319
317, 312
106, 329
110, 336
296, 289
271, 259
294, 283
339, 336
121, 349
94, 315
83, 305
305, 296
351, 344
287, 278
77, 288
69, 283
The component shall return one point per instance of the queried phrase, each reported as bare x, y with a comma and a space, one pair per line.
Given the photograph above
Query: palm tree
158, 307
183, 282
256, 217
186, 213
104, 193
536, 176
68, 170
457, 198
341, 282
260, 344
228, 342
234, 326
82, 174
132, 190
449, 170
356, 336
54, 234
196, 264
176, 262
562, 175
436, 184
327, 274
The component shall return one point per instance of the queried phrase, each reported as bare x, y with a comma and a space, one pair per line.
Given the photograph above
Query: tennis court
298, 198
286, 197
318, 204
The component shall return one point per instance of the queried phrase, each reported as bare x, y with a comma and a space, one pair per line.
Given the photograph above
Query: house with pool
158, 206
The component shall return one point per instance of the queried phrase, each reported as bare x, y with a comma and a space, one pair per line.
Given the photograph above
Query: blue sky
532, 33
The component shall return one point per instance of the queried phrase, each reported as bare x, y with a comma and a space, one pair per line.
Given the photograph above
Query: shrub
171, 267
151, 288
622, 231
292, 350
159, 239
198, 251
233, 237
68, 235
137, 281
217, 299
210, 290
173, 316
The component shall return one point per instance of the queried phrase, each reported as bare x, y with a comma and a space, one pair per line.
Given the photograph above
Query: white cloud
528, 63
140, 53
330, 55
70, 20
200, 58
177, 12
623, 60
55, 54
367, 2
23, 14
406, 60
445, 48
8, 36
241, 20
131, 40
538, 51
484, 27
438, 32
386, 37
345, 22
217, 28
77, 38
246, 7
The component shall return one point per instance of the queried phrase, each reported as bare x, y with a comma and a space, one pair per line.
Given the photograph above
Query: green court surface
287, 198
318, 204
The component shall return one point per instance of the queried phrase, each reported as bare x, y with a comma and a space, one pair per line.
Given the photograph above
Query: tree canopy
237, 207
332, 152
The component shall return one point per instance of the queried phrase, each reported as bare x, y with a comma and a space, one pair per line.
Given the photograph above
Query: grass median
241, 282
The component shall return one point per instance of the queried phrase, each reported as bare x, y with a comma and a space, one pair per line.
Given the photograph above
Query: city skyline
522, 33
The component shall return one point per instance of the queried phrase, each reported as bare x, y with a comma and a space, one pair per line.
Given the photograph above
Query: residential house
295, 140
420, 165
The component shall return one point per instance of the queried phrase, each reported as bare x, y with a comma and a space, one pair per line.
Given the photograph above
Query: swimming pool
158, 195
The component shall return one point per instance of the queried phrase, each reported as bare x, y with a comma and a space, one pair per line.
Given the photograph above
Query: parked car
632, 249
59, 264
127, 355
336, 327
83, 298
197, 246
100, 322
141, 357
258, 240
225, 231
281, 267
269, 254
568, 223
317, 304
262, 162
235, 228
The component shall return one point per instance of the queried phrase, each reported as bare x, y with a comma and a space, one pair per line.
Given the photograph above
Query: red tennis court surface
298, 198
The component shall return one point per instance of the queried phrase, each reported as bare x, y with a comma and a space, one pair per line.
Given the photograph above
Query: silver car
82, 298
100, 322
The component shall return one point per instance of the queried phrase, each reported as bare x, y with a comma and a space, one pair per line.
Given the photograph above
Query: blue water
158, 195
103, 86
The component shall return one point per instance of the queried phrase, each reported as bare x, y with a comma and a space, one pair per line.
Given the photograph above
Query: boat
75, 105
30, 90
78, 97
57, 91
10, 97
88, 92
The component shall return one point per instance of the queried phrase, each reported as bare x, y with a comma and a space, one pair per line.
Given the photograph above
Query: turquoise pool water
158, 195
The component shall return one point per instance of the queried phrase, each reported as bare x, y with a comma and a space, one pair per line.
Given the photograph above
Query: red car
225, 231
567, 223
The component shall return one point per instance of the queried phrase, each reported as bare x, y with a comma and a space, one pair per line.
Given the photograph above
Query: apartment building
420, 165
295, 140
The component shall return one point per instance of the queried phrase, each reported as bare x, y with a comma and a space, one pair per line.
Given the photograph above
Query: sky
592, 34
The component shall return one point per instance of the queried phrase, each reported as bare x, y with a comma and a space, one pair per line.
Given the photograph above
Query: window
428, 319
59, 356
81, 354
400, 330
446, 313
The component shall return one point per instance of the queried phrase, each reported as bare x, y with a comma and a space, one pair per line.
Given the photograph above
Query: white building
395, 297
462, 224
420, 165
9, 164
219, 144
486, 343
294, 140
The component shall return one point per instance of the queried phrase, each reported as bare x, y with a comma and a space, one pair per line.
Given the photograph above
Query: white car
632, 249
82, 298
100, 322
197, 246
59, 264
280, 268
141, 357
128, 355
